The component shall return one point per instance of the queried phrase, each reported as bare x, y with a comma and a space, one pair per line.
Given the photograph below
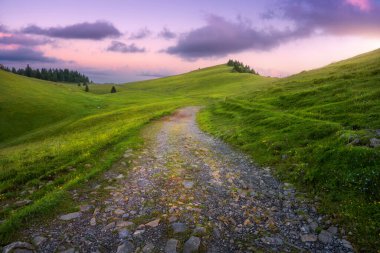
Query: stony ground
188, 192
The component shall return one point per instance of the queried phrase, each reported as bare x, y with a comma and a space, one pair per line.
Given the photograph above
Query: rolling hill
319, 129
315, 128
51, 132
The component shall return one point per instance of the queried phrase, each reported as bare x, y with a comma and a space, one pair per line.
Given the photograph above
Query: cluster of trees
240, 67
55, 75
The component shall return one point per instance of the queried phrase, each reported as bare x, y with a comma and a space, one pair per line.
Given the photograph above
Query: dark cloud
25, 55
167, 34
93, 31
220, 37
340, 17
141, 34
117, 46
20, 39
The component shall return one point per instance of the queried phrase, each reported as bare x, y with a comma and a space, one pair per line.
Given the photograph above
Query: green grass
302, 126
50, 133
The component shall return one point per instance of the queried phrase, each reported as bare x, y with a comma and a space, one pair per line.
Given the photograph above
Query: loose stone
309, 238
18, 247
126, 247
179, 227
325, 237
171, 246
38, 240
153, 223
192, 245
70, 216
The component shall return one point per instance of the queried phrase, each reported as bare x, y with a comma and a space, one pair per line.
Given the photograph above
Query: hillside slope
319, 129
55, 136
28, 103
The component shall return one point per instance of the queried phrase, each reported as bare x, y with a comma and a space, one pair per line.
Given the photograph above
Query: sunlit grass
303, 125
53, 137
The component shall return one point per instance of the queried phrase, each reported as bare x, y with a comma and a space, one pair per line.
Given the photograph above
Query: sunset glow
122, 41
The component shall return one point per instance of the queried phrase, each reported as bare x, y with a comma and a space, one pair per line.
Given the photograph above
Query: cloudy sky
121, 40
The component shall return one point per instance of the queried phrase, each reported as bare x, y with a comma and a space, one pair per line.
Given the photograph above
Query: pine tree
28, 71
86, 89
113, 89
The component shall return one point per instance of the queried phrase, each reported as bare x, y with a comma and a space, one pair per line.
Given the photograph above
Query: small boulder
172, 219
120, 176
192, 245
171, 246
272, 240
138, 233
179, 227
109, 226
153, 223
85, 208
313, 226
333, 230
325, 237
119, 211
70, 216
126, 247
124, 233
200, 231
148, 248
19, 246
309, 238
347, 244
122, 224
38, 240
23, 202
93, 221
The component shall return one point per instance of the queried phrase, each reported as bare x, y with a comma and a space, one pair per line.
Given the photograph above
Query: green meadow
314, 128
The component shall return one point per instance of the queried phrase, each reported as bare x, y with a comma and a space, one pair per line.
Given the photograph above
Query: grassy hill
315, 129
28, 103
54, 137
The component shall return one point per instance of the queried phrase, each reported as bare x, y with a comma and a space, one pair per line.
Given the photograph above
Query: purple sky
119, 40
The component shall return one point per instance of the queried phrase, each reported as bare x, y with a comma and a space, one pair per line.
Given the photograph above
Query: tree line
240, 67
51, 74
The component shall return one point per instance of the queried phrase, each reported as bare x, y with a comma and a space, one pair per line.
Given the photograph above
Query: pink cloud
363, 5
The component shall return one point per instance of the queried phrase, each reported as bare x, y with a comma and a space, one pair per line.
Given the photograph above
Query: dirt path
188, 191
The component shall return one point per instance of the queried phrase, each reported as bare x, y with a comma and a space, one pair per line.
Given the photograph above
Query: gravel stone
70, 216
192, 245
18, 246
325, 237
179, 227
126, 247
171, 246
